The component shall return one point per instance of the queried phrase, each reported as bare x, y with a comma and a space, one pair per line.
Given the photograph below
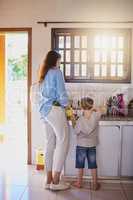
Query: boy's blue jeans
83, 153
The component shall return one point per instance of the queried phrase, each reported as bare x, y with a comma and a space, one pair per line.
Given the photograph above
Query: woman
52, 105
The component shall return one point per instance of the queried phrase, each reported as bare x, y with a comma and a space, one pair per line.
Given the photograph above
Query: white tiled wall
99, 92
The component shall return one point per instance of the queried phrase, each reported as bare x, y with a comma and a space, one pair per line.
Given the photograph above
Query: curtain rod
45, 23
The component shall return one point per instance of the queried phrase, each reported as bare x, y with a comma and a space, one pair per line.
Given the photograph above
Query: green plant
18, 67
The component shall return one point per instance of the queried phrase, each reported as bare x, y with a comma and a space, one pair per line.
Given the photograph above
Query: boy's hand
94, 110
103, 109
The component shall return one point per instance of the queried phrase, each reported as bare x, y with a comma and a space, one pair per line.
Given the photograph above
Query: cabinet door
127, 151
108, 151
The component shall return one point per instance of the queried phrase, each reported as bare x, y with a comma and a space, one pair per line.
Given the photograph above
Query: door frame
29, 81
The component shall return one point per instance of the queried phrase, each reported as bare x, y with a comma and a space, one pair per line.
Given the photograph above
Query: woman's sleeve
62, 96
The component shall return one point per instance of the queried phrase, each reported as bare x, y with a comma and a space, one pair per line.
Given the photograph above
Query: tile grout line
90, 192
21, 196
124, 192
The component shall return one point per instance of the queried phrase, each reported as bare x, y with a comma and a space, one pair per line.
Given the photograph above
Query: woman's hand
69, 111
101, 109
70, 115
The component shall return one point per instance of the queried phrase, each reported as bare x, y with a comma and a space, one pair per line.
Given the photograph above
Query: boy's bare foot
77, 184
95, 186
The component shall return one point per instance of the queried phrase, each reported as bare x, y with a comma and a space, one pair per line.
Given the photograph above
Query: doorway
15, 81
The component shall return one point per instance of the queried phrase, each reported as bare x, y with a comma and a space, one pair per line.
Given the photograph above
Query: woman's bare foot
77, 184
95, 186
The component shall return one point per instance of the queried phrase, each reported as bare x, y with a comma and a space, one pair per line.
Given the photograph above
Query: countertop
116, 121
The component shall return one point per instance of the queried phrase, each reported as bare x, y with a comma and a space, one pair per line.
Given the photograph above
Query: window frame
79, 31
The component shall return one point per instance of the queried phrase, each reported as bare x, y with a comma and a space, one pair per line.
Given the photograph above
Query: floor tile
41, 194
28, 177
11, 192
86, 185
36, 181
38, 194
128, 189
74, 194
110, 186
26, 183
108, 195
127, 186
129, 194
14, 180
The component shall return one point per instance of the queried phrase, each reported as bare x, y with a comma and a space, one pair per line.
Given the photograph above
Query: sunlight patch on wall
2, 78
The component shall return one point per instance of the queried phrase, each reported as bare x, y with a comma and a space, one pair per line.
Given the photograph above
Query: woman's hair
87, 103
49, 62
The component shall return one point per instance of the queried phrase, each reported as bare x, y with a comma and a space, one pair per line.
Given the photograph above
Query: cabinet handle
118, 126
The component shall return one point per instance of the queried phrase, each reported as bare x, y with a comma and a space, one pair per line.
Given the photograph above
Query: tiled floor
27, 184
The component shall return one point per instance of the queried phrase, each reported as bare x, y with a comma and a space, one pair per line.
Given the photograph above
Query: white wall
18, 13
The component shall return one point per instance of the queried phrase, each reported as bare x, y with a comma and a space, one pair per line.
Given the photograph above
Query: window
94, 55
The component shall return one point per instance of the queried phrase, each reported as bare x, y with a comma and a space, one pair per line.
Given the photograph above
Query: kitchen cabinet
114, 151
127, 151
108, 151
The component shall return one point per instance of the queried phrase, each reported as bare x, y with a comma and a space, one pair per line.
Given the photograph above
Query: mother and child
52, 104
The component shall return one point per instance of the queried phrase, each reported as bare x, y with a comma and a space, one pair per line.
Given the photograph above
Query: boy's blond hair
87, 103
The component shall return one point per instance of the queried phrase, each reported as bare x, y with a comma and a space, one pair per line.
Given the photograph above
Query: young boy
86, 130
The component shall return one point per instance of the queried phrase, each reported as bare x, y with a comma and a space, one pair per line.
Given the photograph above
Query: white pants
56, 139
